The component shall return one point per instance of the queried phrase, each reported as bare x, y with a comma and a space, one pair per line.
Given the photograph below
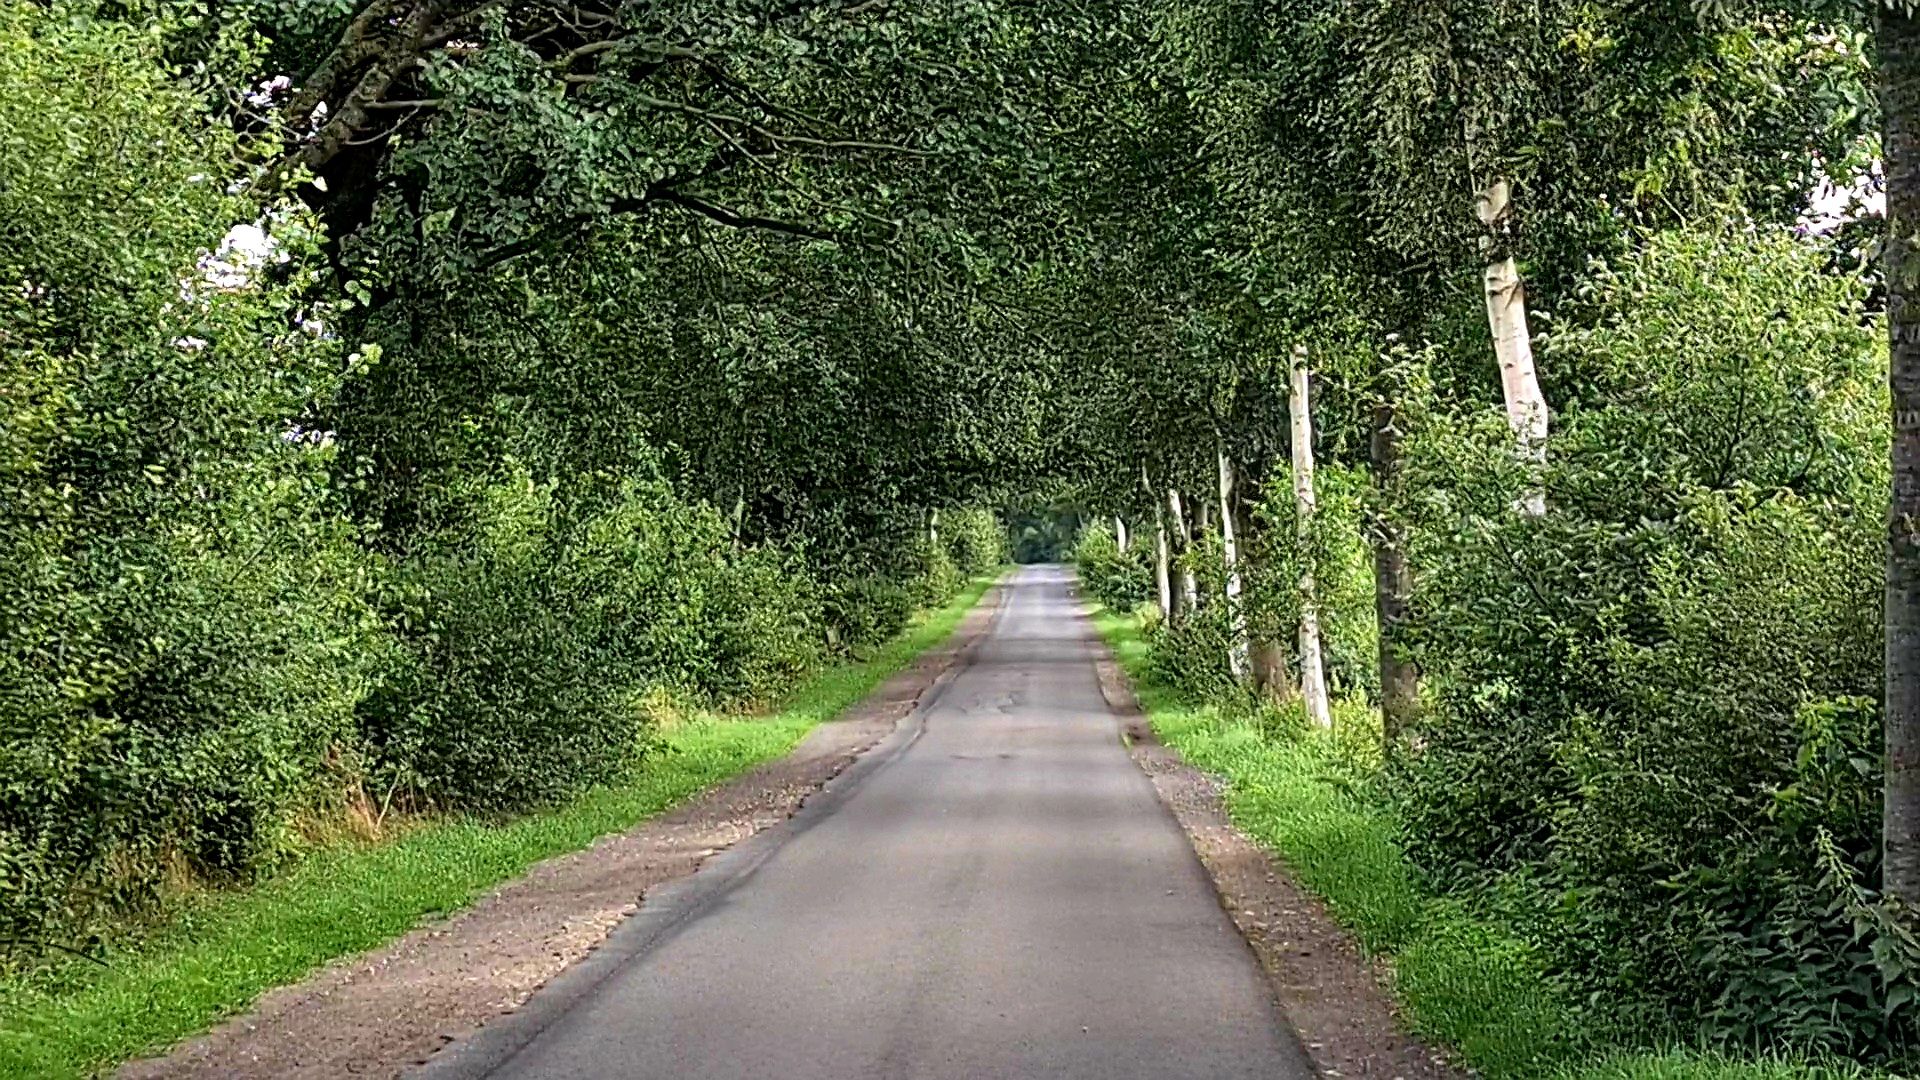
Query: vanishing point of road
994, 892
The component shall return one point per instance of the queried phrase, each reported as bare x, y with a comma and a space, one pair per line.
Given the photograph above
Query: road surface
994, 892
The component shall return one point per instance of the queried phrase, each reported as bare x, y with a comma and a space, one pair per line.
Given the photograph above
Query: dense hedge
1653, 730
1650, 737
1121, 578
226, 626
187, 630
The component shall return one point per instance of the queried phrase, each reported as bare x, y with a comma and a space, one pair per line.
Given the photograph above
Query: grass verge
216, 956
1463, 982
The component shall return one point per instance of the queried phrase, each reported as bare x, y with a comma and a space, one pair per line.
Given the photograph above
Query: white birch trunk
1120, 531
1513, 348
1238, 646
1313, 680
1162, 578
933, 528
1189, 587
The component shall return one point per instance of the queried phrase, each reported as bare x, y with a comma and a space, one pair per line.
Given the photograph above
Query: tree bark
1120, 531
1237, 659
1392, 583
1202, 525
1513, 347
1188, 596
1270, 674
1162, 577
1313, 679
1899, 45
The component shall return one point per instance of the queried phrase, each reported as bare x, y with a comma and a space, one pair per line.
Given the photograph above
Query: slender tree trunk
1392, 583
1187, 598
1120, 531
1899, 45
1237, 659
1162, 578
1202, 527
933, 527
1513, 347
1270, 674
1313, 679
739, 519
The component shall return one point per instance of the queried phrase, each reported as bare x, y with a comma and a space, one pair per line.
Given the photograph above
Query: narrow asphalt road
996, 892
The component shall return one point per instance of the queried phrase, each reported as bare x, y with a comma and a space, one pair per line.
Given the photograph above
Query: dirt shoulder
1326, 988
382, 1012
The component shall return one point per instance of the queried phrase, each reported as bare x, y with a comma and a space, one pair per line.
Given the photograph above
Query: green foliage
1652, 712
1042, 535
1465, 977
1120, 578
186, 634
1476, 987
259, 570
533, 630
222, 952
1342, 564
975, 540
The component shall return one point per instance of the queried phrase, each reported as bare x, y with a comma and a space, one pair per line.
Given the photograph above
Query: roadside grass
214, 957
1463, 981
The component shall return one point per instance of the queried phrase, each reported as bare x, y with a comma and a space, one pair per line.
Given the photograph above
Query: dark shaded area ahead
995, 892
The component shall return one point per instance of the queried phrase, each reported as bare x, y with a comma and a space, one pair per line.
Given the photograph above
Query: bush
1342, 570
535, 629
1120, 579
975, 540
1653, 731
186, 636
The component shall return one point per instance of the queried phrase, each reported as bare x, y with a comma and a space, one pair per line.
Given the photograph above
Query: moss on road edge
215, 957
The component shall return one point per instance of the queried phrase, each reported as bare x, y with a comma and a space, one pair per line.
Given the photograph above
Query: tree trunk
1187, 598
1270, 674
1513, 347
1120, 531
1899, 45
1313, 680
1162, 577
1392, 583
933, 527
1237, 660
1202, 525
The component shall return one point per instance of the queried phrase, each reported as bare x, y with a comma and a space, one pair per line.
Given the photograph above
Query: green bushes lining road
287, 541
217, 955
1475, 986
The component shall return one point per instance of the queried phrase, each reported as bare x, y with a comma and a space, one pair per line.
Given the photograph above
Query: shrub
975, 539
186, 635
1652, 710
1120, 579
535, 629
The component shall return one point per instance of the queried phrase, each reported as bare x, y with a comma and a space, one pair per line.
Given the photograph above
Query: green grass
1463, 981
218, 955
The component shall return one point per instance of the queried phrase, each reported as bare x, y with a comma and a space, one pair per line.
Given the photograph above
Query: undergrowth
213, 958
1464, 981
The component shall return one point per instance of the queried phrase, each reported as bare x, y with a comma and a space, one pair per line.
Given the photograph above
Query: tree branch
742, 221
